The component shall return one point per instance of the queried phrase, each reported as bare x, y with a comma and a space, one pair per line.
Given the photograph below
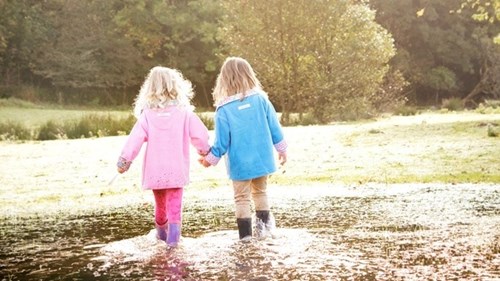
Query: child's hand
204, 162
282, 158
121, 170
203, 153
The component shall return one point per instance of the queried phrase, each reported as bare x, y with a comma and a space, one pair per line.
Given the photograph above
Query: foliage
86, 126
50, 131
85, 51
488, 107
406, 110
323, 57
390, 94
179, 34
12, 130
326, 58
441, 78
453, 104
484, 10
493, 130
488, 86
208, 120
22, 27
431, 37
106, 47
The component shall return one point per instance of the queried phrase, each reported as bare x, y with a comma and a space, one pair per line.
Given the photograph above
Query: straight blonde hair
161, 87
236, 77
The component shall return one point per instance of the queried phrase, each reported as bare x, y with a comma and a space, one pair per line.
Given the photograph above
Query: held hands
203, 162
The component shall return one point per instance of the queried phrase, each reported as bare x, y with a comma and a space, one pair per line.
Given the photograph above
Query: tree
178, 34
21, 27
83, 50
484, 10
324, 57
431, 35
488, 85
441, 79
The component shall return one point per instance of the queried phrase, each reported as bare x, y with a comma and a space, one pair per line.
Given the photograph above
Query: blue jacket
247, 130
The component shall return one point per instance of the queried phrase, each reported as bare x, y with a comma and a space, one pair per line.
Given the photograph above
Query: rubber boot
161, 232
174, 234
244, 228
264, 224
261, 220
263, 216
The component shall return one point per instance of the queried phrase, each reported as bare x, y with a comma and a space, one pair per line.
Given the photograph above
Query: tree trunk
476, 91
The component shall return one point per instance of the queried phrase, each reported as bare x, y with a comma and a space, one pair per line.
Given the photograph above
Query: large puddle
396, 232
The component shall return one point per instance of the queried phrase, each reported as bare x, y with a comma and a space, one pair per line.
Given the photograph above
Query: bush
492, 103
98, 126
453, 104
492, 130
406, 111
489, 107
50, 131
88, 126
300, 119
208, 120
14, 131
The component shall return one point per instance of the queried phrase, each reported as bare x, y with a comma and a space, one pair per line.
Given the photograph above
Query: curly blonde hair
163, 86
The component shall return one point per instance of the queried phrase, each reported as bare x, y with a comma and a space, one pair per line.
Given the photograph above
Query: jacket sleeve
275, 127
198, 133
222, 138
135, 140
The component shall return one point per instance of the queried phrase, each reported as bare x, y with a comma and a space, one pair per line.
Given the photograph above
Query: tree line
329, 58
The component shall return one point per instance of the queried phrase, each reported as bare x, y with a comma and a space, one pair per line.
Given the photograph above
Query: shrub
50, 131
489, 107
492, 103
453, 104
208, 120
94, 125
406, 111
492, 130
14, 131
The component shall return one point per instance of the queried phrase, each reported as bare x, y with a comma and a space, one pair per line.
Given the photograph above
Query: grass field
426, 148
31, 117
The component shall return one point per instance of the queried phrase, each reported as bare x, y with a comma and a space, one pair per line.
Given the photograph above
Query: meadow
431, 147
393, 198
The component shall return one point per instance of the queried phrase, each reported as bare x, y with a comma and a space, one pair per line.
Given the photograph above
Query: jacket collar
238, 96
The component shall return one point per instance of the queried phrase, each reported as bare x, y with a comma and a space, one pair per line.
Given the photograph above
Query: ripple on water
363, 233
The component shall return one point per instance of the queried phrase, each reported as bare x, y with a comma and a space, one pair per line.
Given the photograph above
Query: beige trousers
245, 191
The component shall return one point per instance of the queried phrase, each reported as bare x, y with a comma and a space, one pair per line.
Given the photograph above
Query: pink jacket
168, 133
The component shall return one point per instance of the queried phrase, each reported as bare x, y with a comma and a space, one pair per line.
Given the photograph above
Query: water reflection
324, 233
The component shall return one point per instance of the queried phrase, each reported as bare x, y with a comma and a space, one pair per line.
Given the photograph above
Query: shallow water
396, 232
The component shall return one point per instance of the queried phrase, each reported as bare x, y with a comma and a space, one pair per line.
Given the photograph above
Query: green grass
451, 178
20, 120
33, 117
455, 152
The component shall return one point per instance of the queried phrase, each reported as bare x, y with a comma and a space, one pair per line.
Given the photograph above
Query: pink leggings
168, 205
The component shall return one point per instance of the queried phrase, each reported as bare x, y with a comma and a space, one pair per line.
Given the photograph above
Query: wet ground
369, 232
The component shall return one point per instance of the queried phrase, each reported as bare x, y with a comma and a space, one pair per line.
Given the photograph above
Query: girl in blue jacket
247, 131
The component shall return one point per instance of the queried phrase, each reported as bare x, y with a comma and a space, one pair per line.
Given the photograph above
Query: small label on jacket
163, 114
243, 106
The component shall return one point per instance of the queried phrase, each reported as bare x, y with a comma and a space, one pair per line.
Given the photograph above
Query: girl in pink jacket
167, 123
